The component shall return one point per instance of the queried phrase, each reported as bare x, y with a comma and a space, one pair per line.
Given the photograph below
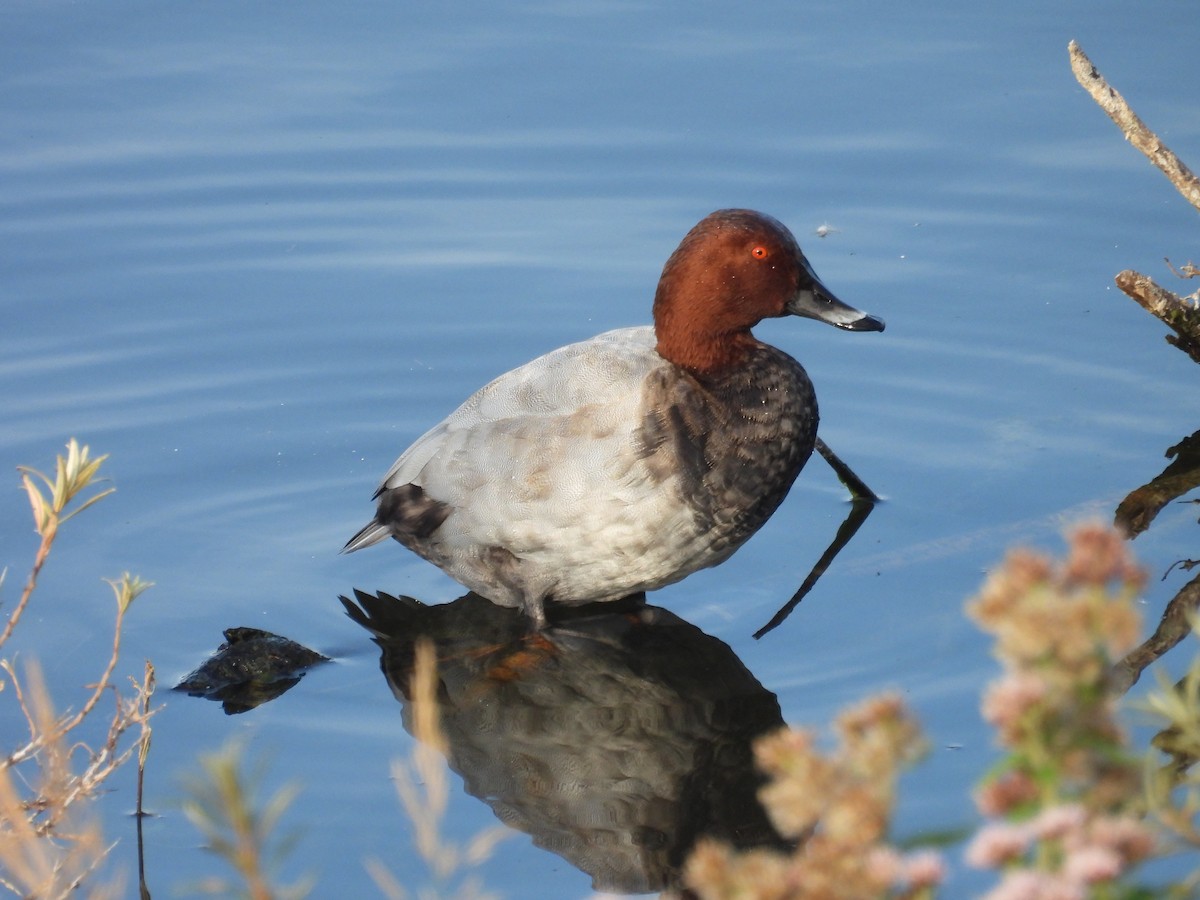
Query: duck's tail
371, 533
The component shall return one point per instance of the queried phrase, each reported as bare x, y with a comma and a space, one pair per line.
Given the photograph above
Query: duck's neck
704, 353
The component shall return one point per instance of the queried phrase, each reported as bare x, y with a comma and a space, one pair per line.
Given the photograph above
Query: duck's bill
815, 301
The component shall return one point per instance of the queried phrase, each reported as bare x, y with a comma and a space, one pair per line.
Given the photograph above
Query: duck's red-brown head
734, 269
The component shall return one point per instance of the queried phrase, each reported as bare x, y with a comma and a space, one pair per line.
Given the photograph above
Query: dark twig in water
1174, 627
1137, 511
857, 487
860, 508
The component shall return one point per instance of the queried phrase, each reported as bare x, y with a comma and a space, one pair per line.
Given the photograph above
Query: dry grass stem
125, 590
423, 787
51, 843
222, 805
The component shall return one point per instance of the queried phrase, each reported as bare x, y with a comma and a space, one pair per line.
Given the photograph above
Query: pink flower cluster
1090, 849
838, 804
1062, 801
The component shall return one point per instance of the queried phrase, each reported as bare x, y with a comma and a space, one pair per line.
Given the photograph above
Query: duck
628, 461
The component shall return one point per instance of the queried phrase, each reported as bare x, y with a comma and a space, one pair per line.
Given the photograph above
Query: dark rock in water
250, 668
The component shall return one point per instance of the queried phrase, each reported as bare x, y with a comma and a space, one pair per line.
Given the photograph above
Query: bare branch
1180, 314
1134, 128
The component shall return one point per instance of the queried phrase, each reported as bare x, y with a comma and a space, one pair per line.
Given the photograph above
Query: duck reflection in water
615, 741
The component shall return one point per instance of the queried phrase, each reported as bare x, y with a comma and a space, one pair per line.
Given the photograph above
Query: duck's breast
744, 435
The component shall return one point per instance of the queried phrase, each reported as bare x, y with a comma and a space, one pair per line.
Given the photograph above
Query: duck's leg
857, 487
535, 607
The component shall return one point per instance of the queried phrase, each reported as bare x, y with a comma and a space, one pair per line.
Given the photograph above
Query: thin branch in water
143, 748
1187, 270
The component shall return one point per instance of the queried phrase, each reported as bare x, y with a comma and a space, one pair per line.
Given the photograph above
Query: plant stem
38, 561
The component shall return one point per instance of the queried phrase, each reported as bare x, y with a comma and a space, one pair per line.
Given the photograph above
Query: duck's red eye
760, 252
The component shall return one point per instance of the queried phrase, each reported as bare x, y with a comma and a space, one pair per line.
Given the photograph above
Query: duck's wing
546, 396
553, 431
549, 455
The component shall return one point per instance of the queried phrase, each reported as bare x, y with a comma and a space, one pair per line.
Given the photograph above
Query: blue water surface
252, 251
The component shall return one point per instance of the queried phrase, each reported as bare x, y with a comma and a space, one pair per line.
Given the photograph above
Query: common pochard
628, 461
